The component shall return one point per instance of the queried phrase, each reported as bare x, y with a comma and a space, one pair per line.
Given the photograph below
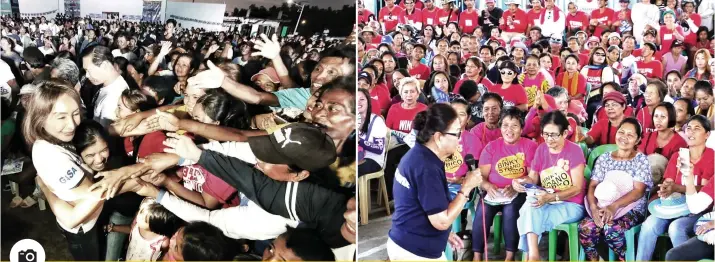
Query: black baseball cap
366, 76
296, 144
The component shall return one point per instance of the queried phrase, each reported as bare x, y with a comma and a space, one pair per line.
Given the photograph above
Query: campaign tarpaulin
200, 15
34, 8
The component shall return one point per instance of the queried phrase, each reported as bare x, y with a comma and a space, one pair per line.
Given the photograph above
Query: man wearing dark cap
649, 66
416, 68
286, 176
604, 132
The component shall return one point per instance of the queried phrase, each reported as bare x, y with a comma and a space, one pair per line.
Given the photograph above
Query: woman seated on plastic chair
679, 228
616, 198
371, 136
558, 164
502, 161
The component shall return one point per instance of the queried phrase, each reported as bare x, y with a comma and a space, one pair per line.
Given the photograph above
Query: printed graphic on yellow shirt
511, 166
453, 162
531, 92
557, 177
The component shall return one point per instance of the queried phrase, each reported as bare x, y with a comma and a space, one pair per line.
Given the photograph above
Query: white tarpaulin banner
32, 8
207, 16
124, 9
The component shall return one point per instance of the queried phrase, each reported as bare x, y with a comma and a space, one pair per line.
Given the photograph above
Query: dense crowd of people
156, 142
598, 120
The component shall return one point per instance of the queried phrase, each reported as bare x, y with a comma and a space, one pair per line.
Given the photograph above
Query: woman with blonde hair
701, 68
400, 115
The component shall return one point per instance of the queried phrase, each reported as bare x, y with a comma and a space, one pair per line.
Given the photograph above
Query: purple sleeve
431, 193
376, 146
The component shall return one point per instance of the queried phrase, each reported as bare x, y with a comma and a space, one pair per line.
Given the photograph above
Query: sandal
16, 201
28, 202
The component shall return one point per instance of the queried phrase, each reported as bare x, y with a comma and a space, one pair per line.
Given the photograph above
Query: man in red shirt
469, 18
417, 69
532, 15
648, 37
649, 67
363, 14
513, 22
389, 15
601, 18
430, 14
448, 12
411, 15
575, 20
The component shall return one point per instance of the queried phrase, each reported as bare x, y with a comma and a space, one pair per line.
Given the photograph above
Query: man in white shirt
552, 21
123, 49
97, 62
8, 86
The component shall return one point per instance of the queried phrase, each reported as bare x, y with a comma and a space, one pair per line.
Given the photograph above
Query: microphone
471, 166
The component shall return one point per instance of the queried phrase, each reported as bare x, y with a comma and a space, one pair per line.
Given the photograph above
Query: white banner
127, 9
207, 16
33, 8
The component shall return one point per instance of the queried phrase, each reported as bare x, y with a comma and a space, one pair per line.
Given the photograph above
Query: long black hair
366, 124
228, 111
436, 118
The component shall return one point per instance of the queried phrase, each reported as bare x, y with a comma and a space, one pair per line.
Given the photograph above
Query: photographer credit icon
27, 250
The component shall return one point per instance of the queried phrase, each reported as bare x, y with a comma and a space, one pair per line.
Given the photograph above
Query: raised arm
270, 48
165, 49
214, 77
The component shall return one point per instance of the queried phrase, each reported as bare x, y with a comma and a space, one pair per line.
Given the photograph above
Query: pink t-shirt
507, 161
553, 169
454, 165
484, 136
531, 85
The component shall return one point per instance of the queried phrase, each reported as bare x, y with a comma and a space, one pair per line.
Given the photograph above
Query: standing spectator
97, 62
388, 16
644, 15
552, 20
490, 17
601, 18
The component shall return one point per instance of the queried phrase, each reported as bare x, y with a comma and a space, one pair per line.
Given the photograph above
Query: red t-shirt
379, 99
702, 170
577, 21
420, 71
415, 17
444, 17
649, 143
520, 23
667, 36
606, 17
390, 17
430, 17
364, 16
485, 81
468, 21
601, 134
533, 16
151, 143
513, 96
652, 69
400, 119
646, 119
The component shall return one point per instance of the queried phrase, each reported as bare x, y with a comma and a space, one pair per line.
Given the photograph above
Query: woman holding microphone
423, 210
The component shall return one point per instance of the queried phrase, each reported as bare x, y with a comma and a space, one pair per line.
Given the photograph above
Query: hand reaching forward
268, 48
163, 121
211, 78
182, 146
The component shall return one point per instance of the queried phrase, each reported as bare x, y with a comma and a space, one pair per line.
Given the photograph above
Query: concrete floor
372, 238
20, 223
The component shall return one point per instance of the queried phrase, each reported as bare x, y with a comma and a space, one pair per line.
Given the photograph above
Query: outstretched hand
163, 121
268, 48
211, 78
182, 146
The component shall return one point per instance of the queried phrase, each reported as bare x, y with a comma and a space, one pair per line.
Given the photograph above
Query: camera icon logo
27, 250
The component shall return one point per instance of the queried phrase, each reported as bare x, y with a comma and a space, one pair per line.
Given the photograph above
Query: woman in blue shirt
423, 210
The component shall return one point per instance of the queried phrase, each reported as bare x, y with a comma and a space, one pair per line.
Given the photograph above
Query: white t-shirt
140, 248
378, 130
5, 76
46, 50
105, 108
61, 170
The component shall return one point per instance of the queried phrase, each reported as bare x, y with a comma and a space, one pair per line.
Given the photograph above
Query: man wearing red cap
389, 15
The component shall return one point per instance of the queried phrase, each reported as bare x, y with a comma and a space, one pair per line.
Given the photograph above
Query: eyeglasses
551, 135
600, 54
506, 72
457, 135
